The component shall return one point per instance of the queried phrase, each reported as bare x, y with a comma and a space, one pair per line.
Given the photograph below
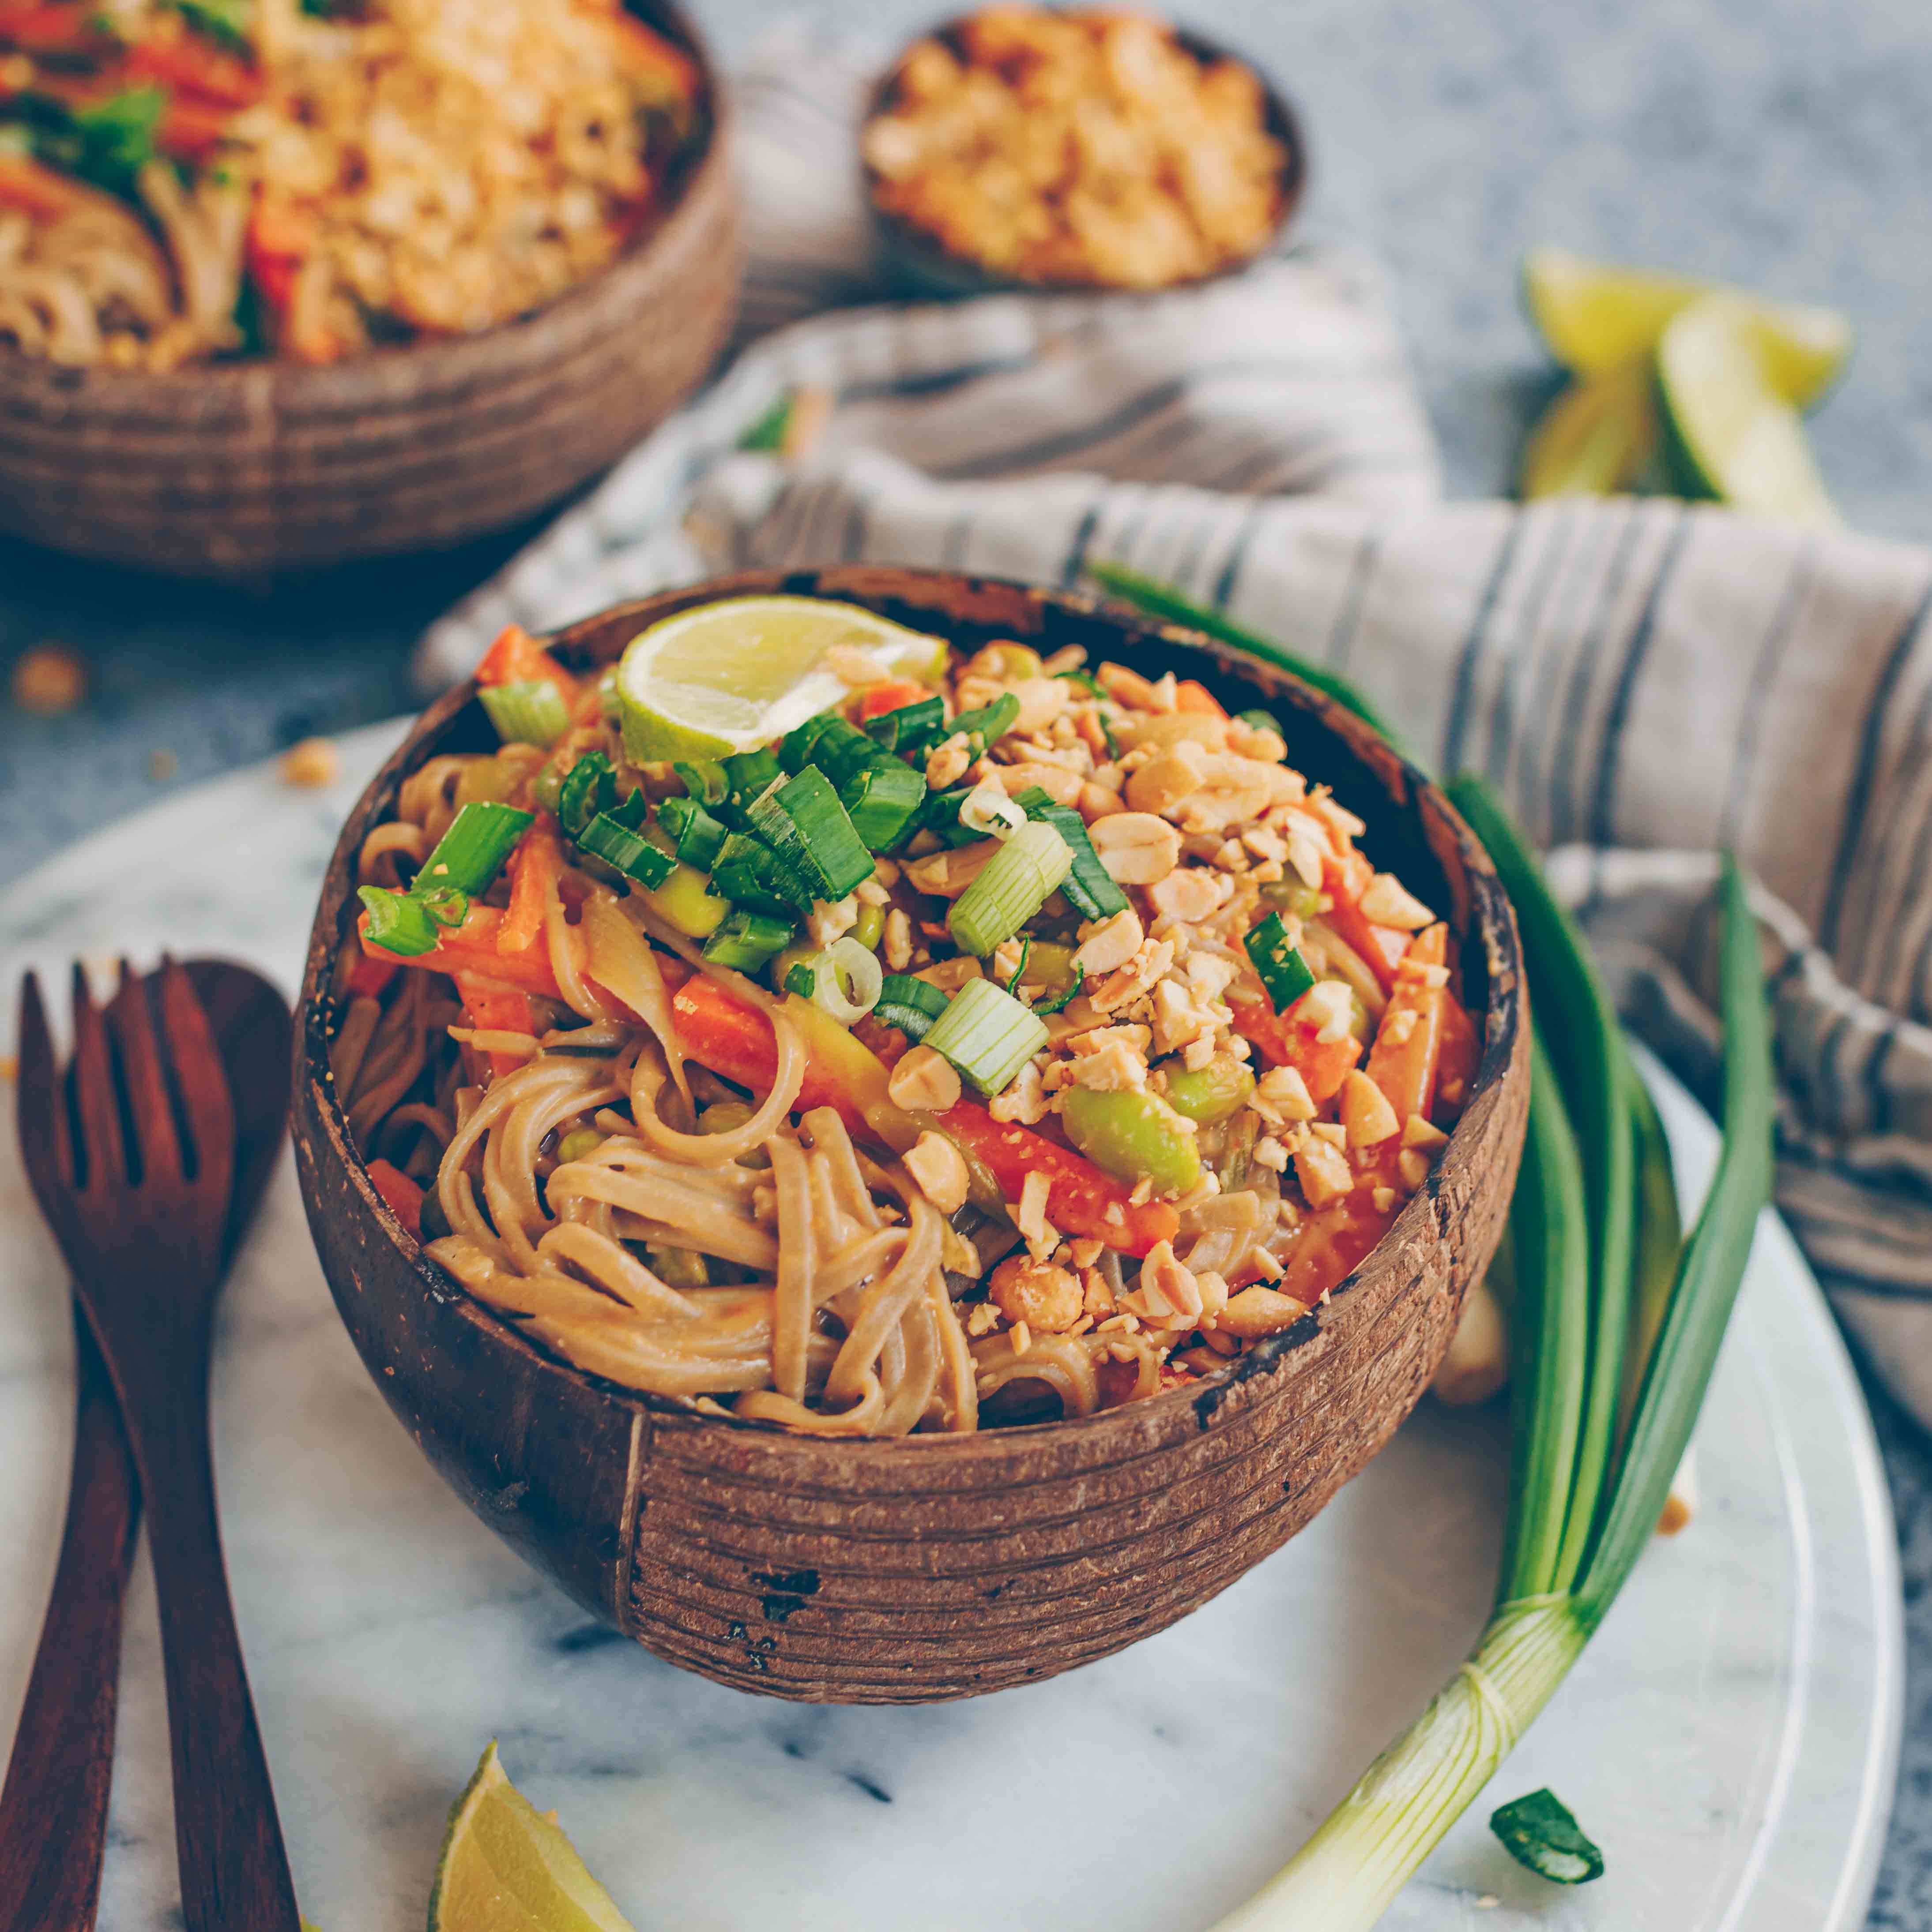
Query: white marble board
1730, 1738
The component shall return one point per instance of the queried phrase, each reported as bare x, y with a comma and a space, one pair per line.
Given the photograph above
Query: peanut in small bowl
1030, 147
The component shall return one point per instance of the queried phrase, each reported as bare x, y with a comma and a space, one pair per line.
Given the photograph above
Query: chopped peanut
1365, 1112
924, 1082
940, 1168
1137, 848
1257, 1312
1042, 1294
1110, 944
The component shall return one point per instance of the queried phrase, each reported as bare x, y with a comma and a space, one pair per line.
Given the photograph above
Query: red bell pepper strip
736, 1041
188, 63
1081, 1200
1332, 1242
402, 1196
496, 1008
1293, 1039
1461, 1053
517, 658
471, 947
36, 28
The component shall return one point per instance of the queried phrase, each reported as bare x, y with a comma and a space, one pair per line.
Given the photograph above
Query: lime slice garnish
1595, 315
731, 676
1730, 434
1595, 438
506, 1867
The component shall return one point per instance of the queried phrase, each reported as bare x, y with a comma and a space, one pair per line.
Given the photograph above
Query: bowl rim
386, 369
936, 265
1490, 919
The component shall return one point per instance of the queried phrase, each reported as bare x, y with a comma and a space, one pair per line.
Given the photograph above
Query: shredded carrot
495, 1008
41, 192
535, 867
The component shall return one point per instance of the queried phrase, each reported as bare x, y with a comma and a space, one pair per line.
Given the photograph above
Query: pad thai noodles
187, 179
1003, 1043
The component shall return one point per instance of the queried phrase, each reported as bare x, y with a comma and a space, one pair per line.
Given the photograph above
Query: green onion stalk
1618, 1322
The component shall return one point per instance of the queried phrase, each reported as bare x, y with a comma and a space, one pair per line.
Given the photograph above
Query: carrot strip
190, 64
400, 1194
535, 867
1345, 880
1407, 1047
369, 975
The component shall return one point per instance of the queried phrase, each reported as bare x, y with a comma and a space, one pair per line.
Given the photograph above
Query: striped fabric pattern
1647, 681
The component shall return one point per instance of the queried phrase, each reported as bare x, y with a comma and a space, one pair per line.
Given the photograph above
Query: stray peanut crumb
48, 679
311, 764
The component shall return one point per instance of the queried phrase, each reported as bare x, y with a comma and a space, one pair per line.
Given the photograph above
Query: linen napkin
1647, 681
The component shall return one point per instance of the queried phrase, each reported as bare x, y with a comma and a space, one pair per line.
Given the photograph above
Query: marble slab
1730, 1738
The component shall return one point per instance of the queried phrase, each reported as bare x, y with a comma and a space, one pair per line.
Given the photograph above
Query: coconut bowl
937, 1566
919, 264
244, 469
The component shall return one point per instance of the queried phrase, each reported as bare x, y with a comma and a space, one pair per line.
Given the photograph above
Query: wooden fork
135, 1178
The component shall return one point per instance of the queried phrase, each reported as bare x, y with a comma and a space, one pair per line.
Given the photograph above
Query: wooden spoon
53, 1808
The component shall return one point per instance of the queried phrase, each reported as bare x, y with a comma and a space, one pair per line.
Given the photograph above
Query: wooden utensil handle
53, 1809
228, 1839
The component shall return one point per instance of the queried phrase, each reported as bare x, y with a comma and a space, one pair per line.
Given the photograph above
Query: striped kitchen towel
1647, 681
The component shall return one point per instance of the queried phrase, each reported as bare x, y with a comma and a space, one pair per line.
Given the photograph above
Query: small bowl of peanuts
1029, 147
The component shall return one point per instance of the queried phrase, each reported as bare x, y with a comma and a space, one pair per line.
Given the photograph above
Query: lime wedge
1729, 433
733, 675
505, 1867
1595, 438
1595, 315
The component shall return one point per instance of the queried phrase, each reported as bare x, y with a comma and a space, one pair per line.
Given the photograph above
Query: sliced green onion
1285, 974
1085, 679
748, 871
747, 940
1258, 720
633, 854
751, 774
845, 980
446, 905
984, 727
884, 801
768, 433
529, 712
801, 979
910, 1004
1090, 888
1013, 886
840, 751
705, 780
1067, 994
397, 922
1026, 947
1541, 1832
803, 822
987, 1033
910, 726
589, 786
472, 852
547, 786
795, 747
940, 817
696, 836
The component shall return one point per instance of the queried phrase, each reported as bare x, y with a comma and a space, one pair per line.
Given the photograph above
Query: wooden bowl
937, 1566
921, 265
242, 470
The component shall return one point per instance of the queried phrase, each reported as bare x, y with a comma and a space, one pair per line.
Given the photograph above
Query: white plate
1730, 1738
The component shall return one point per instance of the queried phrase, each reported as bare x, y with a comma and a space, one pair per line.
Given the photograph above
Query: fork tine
155, 1134
44, 1126
202, 1083
94, 1084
